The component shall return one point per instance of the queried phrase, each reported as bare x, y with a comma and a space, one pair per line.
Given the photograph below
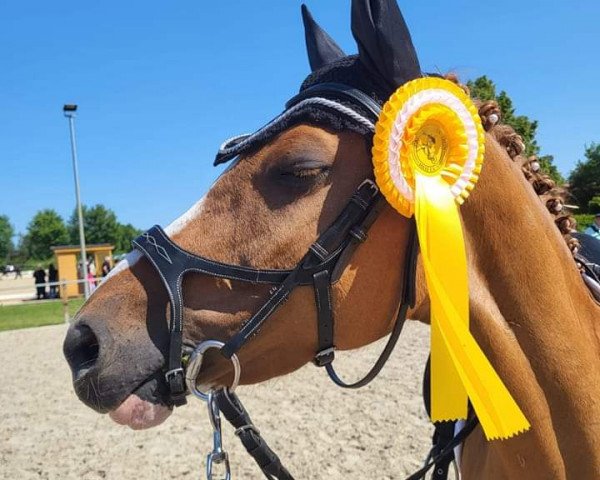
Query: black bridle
321, 267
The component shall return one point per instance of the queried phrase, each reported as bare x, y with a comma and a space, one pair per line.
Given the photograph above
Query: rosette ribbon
427, 153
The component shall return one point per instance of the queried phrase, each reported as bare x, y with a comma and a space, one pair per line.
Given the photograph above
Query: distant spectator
91, 276
40, 278
52, 277
18, 272
105, 266
594, 228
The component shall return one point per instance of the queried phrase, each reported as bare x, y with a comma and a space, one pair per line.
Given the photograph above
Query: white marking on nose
124, 264
175, 227
179, 224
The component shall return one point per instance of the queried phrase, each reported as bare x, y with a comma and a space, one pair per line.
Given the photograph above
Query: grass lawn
35, 315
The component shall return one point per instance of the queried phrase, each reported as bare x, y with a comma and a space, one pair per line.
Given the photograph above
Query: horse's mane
551, 195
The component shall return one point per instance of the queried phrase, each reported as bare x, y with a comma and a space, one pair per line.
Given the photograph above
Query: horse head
286, 185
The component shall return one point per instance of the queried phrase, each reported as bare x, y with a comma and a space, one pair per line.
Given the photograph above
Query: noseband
321, 267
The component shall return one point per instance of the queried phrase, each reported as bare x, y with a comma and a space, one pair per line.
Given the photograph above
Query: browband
343, 99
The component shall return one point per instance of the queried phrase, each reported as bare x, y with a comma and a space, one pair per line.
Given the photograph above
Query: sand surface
318, 430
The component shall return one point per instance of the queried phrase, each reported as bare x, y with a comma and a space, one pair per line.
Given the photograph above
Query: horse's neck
538, 325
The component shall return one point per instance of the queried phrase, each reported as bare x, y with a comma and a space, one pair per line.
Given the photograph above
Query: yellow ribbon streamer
427, 154
458, 365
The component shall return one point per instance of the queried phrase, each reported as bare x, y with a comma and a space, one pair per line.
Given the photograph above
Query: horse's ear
384, 43
321, 48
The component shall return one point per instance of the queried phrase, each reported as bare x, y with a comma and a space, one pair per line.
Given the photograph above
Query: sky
161, 84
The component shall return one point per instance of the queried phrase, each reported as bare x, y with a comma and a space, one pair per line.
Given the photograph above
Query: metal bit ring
195, 364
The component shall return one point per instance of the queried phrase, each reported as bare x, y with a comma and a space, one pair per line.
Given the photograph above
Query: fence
25, 291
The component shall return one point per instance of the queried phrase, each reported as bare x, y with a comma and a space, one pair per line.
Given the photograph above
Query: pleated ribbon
427, 153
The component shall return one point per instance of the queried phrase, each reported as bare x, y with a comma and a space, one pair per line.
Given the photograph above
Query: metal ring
195, 364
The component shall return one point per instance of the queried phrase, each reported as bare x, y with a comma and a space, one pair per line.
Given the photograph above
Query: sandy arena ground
319, 430
15, 290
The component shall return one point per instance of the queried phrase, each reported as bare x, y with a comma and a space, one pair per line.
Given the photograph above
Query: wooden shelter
67, 259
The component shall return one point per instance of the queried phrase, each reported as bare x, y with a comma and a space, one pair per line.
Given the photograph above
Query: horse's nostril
81, 349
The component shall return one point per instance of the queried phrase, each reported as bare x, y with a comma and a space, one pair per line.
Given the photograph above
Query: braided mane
551, 195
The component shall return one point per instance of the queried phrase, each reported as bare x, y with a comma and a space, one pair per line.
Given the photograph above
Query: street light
69, 111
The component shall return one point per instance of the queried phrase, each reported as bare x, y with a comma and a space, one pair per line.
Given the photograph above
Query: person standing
106, 266
40, 278
594, 228
52, 278
91, 276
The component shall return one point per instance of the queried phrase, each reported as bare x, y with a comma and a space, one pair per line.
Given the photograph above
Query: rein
321, 267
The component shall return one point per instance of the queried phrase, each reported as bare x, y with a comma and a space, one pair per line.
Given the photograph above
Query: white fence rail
25, 291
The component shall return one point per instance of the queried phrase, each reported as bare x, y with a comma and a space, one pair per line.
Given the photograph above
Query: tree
594, 205
484, 89
6, 234
126, 233
584, 180
547, 164
45, 230
100, 224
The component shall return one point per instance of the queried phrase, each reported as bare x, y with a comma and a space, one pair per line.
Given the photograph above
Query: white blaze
175, 227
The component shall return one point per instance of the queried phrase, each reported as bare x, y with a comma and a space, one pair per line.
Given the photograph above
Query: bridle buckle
324, 357
370, 183
175, 379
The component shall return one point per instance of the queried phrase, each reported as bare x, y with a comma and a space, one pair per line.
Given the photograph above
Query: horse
286, 186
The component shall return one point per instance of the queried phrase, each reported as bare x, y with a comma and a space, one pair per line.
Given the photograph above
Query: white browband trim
324, 102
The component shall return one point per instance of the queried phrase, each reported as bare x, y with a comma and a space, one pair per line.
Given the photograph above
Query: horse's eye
305, 174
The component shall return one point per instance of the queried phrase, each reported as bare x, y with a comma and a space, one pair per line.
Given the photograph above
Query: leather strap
443, 435
172, 263
268, 461
446, 451
323, 255
441, 454
325, 335
407, 300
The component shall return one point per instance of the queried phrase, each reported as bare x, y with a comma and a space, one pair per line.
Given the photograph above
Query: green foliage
547, 164
101, 226
126, 233
99, 222
48, 229
45, 230
6, 234
584, 220
584, 180
484, 89
594, 205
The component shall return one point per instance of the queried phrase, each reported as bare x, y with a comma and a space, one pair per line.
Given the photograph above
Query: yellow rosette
427, 153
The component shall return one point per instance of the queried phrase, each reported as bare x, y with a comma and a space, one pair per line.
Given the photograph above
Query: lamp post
69, 111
